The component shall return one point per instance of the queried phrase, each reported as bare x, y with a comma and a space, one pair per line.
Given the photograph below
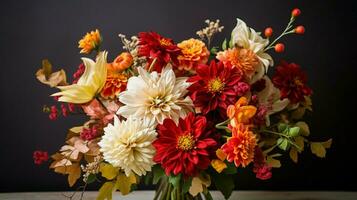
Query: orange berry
268, 32
300, 30
279, 48
296, 12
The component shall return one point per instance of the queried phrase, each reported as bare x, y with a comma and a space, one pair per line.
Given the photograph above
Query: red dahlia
216, 86
291, 81
184, 148
153, 45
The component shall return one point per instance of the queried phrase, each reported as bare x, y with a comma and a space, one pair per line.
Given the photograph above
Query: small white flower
128, 145
154, 97
269, 97
247, 38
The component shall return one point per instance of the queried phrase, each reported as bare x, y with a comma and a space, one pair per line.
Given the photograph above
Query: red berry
268, 32
300, 30
296, 12
53, 109
279, 48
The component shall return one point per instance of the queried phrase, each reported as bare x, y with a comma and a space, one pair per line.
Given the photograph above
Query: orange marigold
116, 79
193, 52
244, 59
241, 112
241, 146
90, 42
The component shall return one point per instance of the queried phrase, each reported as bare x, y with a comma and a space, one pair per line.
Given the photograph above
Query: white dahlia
154, 97
128, 145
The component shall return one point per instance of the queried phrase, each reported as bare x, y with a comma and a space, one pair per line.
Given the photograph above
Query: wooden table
147, 195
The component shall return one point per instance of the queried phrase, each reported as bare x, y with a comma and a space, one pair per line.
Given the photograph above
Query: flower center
298, 82
185, 142
215, 85
165, 42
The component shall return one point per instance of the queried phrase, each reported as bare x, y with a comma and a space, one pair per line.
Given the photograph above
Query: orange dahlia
193, 52
90, 42
241, 112
241, 146
117, 79
244, 59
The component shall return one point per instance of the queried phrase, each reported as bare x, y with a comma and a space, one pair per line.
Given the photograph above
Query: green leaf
186, 185
214, 50
91, 178
223, 183
158, 173
175, 180
231, 168
224, 44
231, 43
283, 143
282, 127
106, 191
294, 131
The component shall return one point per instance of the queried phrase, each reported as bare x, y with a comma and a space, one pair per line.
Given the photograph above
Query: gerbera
184, 148
128, 145
193, 52
214, 86
241, 146
244, 59
291, 81
246, 38
154, 97
90, 42
155, 47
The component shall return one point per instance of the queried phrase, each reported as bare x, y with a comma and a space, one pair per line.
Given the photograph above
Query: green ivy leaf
223, 183
91, 178
175, 180
294, 131
186, 185
158, 173
282, 127
231, 168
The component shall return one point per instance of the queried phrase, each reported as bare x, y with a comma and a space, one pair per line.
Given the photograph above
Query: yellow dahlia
90, 42
128, 145
193, 52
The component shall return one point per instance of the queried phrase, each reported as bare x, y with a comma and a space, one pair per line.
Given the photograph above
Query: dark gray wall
33, 30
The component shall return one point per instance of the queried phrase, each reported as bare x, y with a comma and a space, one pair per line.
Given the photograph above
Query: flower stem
285, 32
152, 64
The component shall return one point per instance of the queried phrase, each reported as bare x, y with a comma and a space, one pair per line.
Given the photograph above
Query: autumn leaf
327, 144
123, 183
198, 184
106, 191
108, 171
299, 141
45, 75
319, 148
293, 155
273, 162
74, 173
304, 128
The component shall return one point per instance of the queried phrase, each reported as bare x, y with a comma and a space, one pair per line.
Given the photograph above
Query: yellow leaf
53, 79
293, 155
218, 165
298, 113
74, 173
106, 191
196, 187
318, 149
108, 171
273, 162
300, 142
221, 155
304, 128
123, 183
327, 144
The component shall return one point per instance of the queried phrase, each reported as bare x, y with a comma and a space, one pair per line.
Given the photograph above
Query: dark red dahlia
184, 148
291, 81
216, 86
154, 46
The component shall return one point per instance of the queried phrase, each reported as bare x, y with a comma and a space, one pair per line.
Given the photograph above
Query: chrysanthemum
90, 42
154, 97
128, 145
214, 86
155, 47
193, 52
241, 146
291, 81
184, 148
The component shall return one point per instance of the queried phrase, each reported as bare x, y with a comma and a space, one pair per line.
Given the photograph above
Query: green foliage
224, 183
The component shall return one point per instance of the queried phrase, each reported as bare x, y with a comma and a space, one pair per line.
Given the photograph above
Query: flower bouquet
183, 116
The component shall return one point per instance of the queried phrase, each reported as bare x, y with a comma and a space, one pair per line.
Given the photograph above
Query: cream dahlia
155, 97
128, 145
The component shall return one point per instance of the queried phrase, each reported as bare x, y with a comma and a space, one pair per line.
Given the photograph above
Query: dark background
33, 30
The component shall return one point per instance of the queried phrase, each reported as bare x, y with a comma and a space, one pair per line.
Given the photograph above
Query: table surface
145, 195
